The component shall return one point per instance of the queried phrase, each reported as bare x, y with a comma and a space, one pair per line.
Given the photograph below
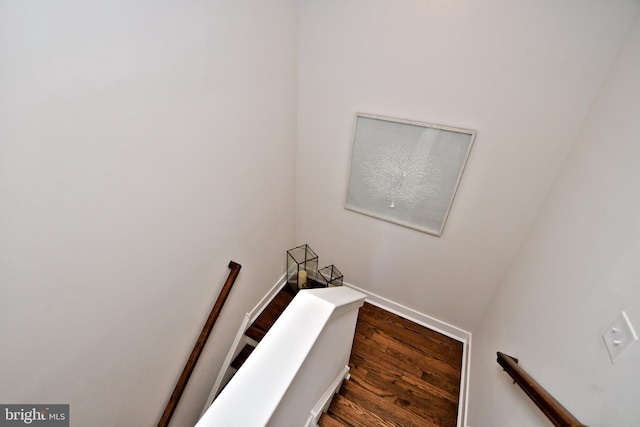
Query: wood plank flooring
402, 374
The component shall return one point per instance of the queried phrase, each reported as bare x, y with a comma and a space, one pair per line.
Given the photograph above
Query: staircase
300, 363
402, 374
263, 323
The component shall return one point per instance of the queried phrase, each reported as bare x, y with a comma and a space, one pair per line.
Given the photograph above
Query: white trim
240, 339
325, 400
463, 415
415, 316
439, 326
264, 302
226, 365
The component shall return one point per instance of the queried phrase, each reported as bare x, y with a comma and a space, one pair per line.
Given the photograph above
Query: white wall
577, 270
143, 145
522, 74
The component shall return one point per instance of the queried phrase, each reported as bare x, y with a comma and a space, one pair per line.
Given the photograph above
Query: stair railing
557, 414
199, 346
291, 376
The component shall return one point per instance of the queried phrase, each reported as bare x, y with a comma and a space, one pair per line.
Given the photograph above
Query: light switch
619, 336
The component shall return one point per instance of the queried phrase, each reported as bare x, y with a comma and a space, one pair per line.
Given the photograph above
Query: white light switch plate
619, 336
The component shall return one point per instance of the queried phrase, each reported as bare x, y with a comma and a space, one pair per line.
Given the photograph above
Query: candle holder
330, 276
302, 268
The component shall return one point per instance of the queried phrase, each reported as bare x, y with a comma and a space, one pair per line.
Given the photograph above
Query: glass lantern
330, 276
302, 268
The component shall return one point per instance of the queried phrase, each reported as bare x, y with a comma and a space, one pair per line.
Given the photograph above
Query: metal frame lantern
330, 276
302, 268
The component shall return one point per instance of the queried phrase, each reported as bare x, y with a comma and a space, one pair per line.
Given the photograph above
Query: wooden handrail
199, 345
558, 414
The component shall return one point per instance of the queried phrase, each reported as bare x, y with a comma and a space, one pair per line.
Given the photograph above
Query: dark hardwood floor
402, 374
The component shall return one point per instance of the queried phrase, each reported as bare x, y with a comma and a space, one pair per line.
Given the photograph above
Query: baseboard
439, 326
463, 402
415, 316
323, 404
264, 302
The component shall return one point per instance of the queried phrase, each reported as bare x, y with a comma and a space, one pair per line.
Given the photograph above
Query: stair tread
393, 392
242, 356
375, 358
271, 313
327, 420
350, 413
375, 403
